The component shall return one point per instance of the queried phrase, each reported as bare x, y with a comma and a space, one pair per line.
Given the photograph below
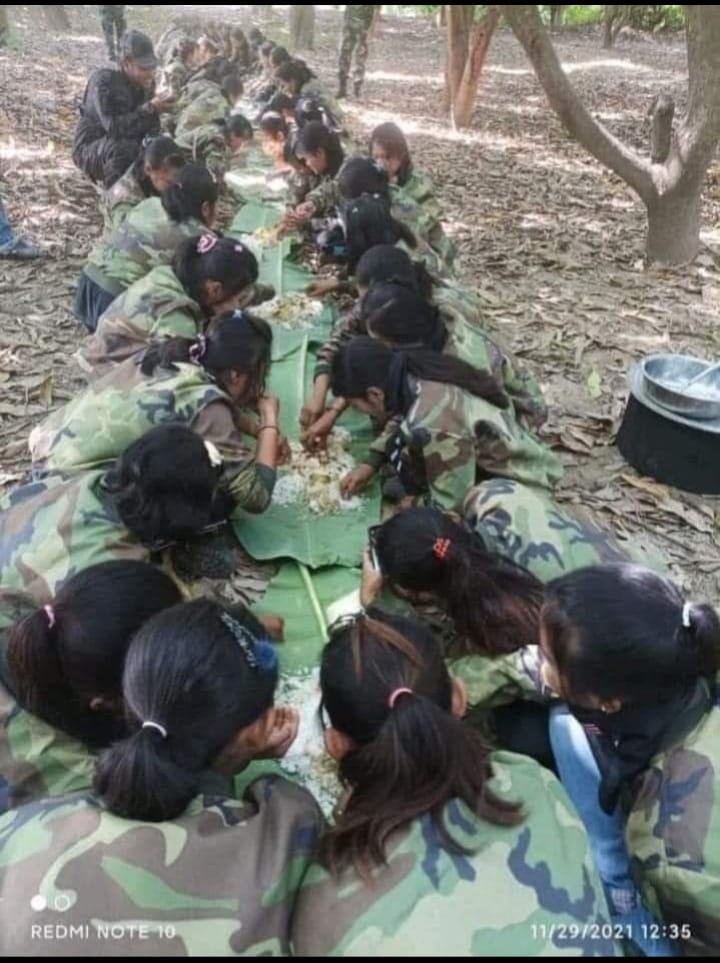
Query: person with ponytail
152, 173
638, 747
274, 138
454, 423
414, 197
295, 79
321, 151
205, 383
164, 490
219, 145
166, 841
433, 823
148, 237
210, 276
61, 669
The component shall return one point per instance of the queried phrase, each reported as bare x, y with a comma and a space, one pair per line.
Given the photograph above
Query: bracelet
268, 428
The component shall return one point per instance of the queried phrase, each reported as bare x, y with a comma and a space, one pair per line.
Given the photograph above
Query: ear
337, 744
214, 291
376, 396
459, 700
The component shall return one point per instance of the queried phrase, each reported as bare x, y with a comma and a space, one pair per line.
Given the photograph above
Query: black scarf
625, 742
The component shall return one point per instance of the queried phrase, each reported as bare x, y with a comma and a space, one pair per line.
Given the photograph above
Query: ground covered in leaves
553, 242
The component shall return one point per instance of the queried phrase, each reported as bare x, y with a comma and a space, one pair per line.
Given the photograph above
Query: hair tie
50, 613
396, 695
207, 243
687, 615
243, 638
216, 459
441, 548
198, 349
156, 727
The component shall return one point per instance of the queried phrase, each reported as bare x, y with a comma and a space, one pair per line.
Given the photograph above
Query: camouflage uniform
114, 25
51, 530
202, 103
153, 309
174, 76
206, 145
220, 880
92, 431
525, 525
673, 836
146, 239
461, 313
356, 27
519, 893
449, 437
36, 760
120, 199
415, 204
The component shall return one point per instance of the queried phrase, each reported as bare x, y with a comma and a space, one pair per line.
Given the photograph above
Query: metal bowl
665, 377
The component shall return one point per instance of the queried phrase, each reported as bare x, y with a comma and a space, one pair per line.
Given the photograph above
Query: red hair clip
441, 548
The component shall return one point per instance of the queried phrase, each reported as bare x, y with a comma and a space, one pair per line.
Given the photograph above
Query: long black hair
207, 258
166, 488
294, 72
235, 341
387, 262
623, 632
365, 363
385, 685
314, 137
360, 175
494, 603
367, 223
158, 152
193, 188
67, 654
397, 314
200, 673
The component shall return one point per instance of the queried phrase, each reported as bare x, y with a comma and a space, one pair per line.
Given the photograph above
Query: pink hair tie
207, 243
50, 613
396, 695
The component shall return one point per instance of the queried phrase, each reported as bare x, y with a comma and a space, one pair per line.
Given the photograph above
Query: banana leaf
292, 531
255, 216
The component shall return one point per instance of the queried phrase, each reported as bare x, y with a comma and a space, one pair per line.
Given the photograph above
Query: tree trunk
458, 42
670, 190
4, 25
466, 95
614, 19
56, 16
302, 27
556, 15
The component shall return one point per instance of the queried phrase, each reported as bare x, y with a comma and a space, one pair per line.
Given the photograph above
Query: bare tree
56, 16
4, 24
302, 27
468, 42
615, 17
670, 183
557, 12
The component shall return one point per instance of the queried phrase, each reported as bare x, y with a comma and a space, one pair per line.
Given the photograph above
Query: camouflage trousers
354, 38
114, 25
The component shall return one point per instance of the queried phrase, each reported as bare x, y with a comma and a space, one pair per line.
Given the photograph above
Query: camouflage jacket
527, 526
450, 438
94, 429
173, 77
467, 340
203, 103
51, 530
205, 145
146, 239
673, 837
416, 205
36, 760
219, 881
120, 199
518, 894
360, 14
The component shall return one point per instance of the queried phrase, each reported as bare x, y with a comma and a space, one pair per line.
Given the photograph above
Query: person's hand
268, 409
322, 286
315, 437
311, 411
162, 103
372, 581
284, 451
281, 734
356, 481
274, 626
304, 212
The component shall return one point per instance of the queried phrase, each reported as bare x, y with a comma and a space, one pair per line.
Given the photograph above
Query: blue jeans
7, 238
581, 778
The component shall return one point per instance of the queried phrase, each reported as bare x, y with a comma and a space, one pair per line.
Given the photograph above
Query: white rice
314, 480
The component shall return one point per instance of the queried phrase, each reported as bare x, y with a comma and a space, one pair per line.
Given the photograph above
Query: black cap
138, 47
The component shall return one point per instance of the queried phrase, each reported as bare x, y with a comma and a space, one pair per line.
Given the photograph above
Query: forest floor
553, 242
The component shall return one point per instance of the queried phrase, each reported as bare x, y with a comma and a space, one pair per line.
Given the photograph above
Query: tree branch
609, 150
662, 112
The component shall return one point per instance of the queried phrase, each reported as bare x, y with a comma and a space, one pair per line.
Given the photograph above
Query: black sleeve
111, 106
